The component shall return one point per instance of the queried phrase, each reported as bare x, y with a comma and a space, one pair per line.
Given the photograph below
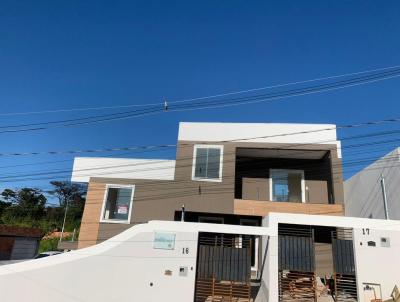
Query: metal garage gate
343, 262
296, 259
223, 268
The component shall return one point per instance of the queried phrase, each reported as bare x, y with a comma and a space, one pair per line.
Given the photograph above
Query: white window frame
114, 186
221, 148
220, 220
303, 183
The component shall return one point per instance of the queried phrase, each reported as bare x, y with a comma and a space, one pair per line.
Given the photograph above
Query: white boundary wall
380, 265
123, 267
119, 269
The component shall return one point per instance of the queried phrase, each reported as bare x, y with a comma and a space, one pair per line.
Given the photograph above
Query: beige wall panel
262, 208
255, 188
91, 215
317, 191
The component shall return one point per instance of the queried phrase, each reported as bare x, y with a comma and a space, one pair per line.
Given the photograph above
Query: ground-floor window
117, 206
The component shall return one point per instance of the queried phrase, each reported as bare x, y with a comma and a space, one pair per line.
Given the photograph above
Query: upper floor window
287, 185
117, 205
207, 163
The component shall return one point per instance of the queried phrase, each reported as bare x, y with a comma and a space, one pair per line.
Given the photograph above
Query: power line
19, 177
204, 97
201, 105
16, 177
146, 147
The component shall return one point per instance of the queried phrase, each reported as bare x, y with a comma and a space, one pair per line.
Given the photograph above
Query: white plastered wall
119, 269
377, 265
128, 168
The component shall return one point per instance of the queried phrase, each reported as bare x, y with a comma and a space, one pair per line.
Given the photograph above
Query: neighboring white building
363, 191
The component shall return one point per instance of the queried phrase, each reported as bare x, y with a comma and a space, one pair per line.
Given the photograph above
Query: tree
8, 196
5, 201
67, 192
26, 204
73, 195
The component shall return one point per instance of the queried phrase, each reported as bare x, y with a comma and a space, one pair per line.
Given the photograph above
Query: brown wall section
6, 247
337, 177
159, 199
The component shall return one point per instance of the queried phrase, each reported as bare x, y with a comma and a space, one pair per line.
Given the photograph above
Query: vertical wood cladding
91, 214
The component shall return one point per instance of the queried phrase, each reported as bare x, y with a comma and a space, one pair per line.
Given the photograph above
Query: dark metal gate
296, 259
223, 268
344, 266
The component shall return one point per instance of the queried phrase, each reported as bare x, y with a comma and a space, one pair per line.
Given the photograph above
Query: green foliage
48, 245
27, 207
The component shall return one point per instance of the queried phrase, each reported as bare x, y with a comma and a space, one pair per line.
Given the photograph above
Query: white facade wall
363, 191
127, 168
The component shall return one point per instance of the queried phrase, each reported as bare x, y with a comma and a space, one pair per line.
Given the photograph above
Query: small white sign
122, 209
164, 241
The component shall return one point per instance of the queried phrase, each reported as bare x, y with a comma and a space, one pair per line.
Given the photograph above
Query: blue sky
71, 54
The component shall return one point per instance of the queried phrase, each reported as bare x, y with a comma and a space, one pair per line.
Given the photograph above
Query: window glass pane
280, 189
213, 163
201, 163
286, 186
207, 164
117, 204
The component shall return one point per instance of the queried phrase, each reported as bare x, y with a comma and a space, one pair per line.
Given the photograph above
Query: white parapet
287, 133
127, 168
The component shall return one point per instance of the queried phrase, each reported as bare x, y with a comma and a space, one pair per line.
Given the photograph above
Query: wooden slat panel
262, 208
91, 215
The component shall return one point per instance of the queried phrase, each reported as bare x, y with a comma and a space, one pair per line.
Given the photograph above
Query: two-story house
231, 173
